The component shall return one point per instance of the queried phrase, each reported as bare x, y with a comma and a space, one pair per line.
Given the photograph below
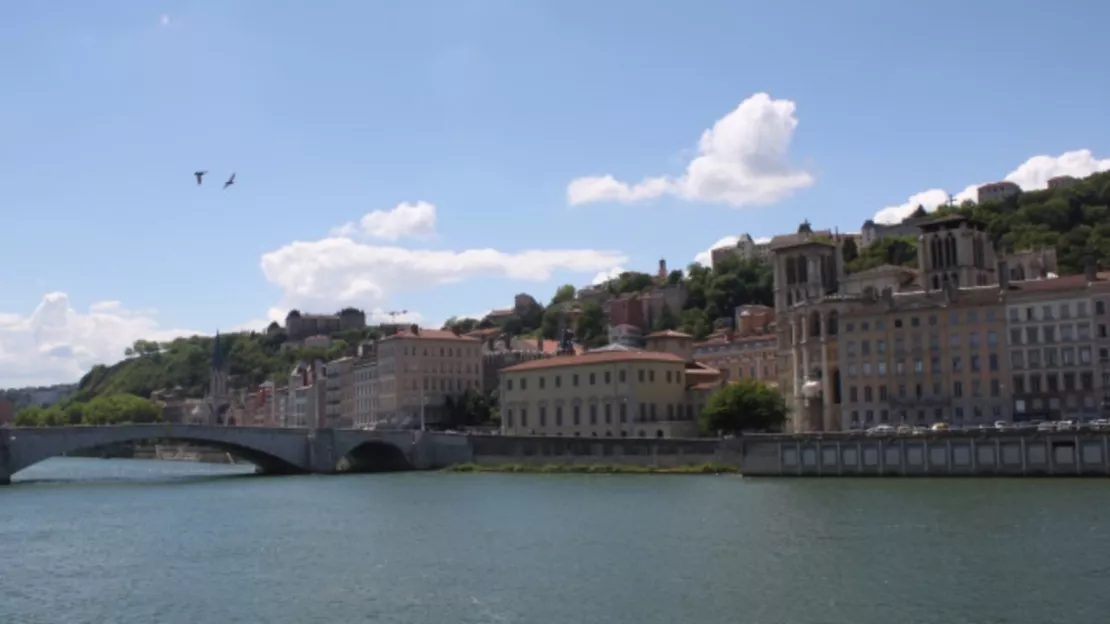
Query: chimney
415, 329
1090, 268
1003, 275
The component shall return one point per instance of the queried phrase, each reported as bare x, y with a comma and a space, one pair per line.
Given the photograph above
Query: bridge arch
273, 451
374, 456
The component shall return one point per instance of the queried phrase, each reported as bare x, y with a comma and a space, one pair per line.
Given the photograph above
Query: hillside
1075, 220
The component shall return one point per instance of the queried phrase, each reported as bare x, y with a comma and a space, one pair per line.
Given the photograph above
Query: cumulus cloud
338, 270
608, 275
57, 344
741, 161
1033, 174
405, 220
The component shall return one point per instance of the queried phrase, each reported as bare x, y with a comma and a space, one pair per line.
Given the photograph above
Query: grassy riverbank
594, 469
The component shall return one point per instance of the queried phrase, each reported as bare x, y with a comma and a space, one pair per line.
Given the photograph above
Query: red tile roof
600, 357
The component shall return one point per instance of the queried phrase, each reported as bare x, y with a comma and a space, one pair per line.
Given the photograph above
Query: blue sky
488, 111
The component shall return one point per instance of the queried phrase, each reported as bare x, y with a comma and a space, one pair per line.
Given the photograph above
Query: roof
550, 346
736, 340
595, 357
794, 240
431, 334
1067, 282
669, 333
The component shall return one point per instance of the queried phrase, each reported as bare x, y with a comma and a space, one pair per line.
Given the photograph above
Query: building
502, 350
921, 357
300, 326
997, 191
746, 249
599, 394
871, 231
419, 368
955, 340
7, 412
1060, 182
306, 397
365, 371
340, 410
1057, 341
739, 357
217, 400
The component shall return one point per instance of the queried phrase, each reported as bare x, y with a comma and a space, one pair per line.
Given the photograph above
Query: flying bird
230, 181
199, 175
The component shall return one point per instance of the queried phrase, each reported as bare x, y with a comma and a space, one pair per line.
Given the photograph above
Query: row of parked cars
1001, 425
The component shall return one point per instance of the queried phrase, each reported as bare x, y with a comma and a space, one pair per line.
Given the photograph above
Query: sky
439, 157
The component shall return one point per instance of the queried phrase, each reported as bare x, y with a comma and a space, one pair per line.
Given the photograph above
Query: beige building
997, 191
340, 410
418, 369
745, 249
599, 394
1057, 340
951, 341
740, 357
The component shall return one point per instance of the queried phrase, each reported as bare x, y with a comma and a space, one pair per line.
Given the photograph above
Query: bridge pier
5, 459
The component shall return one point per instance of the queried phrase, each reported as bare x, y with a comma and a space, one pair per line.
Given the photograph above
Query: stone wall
970, 454
663, 453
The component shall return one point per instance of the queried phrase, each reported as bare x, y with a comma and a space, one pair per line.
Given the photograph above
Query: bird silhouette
199, 175
230, 181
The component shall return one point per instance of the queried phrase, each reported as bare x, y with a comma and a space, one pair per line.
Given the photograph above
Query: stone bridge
273, 450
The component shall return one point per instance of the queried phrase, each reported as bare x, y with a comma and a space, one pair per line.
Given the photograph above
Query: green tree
896, 250
33, 416
745, 405
552, 322
471, 408
849, 251
675, 277
590, 329
665, 320
563, 294
695, 321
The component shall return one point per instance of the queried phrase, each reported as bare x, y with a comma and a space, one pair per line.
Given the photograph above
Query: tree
590, 327
695, 322
675, 277
563, 294
665, 320
469, 409
744, 405
849, 251
896, 250
464, 325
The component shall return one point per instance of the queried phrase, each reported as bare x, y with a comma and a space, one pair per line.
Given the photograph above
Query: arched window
832, 324
814, 325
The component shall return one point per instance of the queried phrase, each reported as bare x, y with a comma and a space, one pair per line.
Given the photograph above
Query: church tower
955, 250
216, 400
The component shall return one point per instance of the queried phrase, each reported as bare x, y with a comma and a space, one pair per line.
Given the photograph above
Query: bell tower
955, 251
216, 399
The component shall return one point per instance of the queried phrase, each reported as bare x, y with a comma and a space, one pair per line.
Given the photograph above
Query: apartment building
620, 393
1057, 339
739, 357
365, 372
340, 407
955, 340
918, 358
418, 369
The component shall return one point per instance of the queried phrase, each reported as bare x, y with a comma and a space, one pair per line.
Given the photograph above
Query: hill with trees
1075, 220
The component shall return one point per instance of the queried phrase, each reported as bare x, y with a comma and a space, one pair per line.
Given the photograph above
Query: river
148, 542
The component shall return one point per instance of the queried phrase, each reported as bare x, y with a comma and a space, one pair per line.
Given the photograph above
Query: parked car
880, 430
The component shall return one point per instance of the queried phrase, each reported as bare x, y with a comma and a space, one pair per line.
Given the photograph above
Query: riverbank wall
952, 454
941, 454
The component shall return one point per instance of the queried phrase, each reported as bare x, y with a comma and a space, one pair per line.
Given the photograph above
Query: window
992, 338
1014, 316
509, 417
543, 416
593, 378
608, 377
624, 412
524, 417
993, 362
558, 381
957, 388
593, 414
640, 375
559, 416
574, 379
523, 386
1100, 307
853, 395
577, 416
508, 384
608, 413
621, 376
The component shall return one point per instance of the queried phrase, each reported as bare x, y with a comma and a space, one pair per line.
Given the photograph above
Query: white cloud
337, 271
58, 344
1033, 174
405, 220
741, 161
605, 276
